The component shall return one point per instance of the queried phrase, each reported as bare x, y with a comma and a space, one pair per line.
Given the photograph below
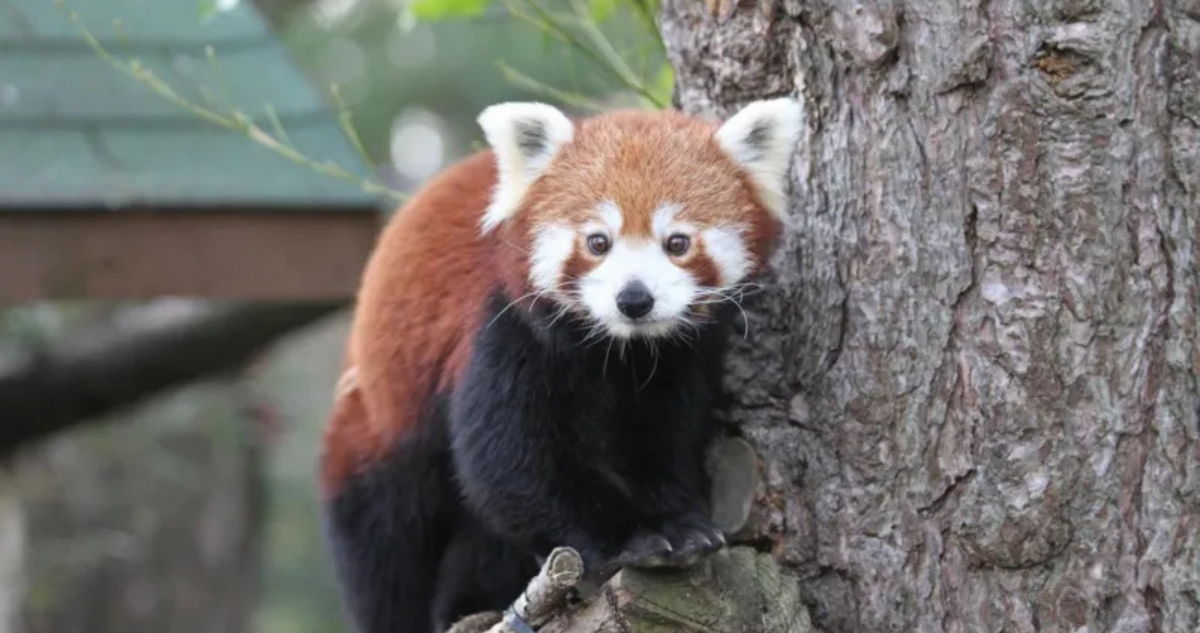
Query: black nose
635, 300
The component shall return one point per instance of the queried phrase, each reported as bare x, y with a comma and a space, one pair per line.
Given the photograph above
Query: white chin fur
626, 329
672, 288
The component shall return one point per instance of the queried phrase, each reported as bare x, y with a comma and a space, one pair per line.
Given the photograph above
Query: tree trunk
972, 380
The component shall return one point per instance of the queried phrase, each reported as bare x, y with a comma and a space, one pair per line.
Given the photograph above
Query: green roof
76, 132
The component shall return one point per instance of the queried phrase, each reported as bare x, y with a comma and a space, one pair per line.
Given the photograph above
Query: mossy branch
737, 589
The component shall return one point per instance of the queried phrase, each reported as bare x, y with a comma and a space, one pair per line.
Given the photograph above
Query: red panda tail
347, 435
384, 519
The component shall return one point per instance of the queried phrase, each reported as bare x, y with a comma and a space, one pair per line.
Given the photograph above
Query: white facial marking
525, 137
664, 224
643, 260
637, 259
660, 223
726, 248
607, 221
610, 214
552, 247
761, 138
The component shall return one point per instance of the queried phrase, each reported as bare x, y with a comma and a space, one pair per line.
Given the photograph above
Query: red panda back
420, 301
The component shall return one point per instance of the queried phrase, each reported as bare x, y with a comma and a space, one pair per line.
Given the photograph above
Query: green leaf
208, 10
603, 10
663, 84
406, 20
649, 7
646, 11
431, 10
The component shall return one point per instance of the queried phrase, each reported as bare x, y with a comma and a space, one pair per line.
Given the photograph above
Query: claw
645, 550
679, 543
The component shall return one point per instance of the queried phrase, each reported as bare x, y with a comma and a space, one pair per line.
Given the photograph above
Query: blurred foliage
455, 57
209, 9
440, 9
236, 120
600, 10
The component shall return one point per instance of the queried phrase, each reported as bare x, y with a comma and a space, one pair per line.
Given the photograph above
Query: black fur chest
619, 403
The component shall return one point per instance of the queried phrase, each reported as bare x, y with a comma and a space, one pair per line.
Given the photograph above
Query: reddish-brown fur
423, 291
640, 160
414, 318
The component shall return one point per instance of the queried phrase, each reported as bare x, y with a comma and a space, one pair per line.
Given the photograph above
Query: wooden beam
241, 254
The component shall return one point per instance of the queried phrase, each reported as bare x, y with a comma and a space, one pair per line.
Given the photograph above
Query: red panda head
638, 221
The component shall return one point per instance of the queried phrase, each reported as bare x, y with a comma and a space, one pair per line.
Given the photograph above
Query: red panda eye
678, 244
598, 244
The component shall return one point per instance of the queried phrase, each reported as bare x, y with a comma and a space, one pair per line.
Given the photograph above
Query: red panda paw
678, 543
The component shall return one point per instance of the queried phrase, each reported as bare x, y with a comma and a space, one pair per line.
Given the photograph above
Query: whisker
653, 368
514, 246
681, 334
726, 294
745, 321
604, 369
511, 304
596, 328
562, 311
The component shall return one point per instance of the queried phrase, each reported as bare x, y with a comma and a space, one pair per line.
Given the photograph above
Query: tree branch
541, 601
737, 589
147, 350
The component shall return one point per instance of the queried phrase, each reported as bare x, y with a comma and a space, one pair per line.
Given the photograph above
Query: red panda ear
524, 137
760, 138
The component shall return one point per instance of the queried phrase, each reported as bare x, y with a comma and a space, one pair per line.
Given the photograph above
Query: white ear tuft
524, 137
760, 138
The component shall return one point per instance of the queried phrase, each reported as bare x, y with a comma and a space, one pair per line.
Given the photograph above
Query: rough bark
973, 378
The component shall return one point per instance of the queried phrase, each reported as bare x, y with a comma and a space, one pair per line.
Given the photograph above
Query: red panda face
640, 222
638, 282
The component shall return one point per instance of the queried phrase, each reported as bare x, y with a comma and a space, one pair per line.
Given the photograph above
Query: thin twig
546, 20
276, 124
346, 121
238, 122
577, 100
601, 41
543, 598
561, 572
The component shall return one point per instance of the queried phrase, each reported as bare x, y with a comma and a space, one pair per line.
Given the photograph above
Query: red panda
537, 342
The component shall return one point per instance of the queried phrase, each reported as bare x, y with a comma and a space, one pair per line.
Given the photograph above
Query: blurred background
188, 190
